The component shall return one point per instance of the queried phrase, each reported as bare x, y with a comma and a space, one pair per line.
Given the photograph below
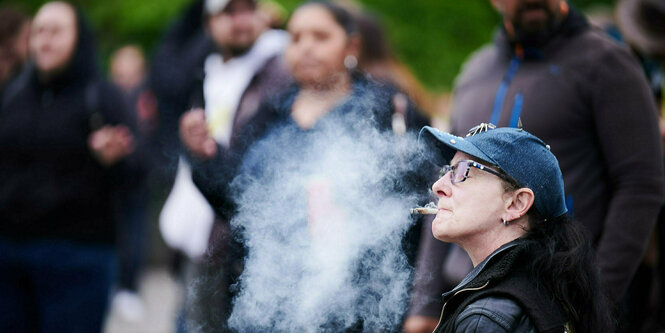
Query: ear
518, 203
354, 45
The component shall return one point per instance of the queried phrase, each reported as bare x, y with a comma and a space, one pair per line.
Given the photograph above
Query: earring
506, 223
350, 62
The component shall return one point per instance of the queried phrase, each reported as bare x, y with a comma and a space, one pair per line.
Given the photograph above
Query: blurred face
53, 37
318, 45
470, 209
528, 17
236, 27
128, 68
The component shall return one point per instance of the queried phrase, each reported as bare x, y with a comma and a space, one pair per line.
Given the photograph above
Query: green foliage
433, 37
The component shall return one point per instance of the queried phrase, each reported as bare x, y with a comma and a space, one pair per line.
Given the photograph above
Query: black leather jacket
499, 295
493, 314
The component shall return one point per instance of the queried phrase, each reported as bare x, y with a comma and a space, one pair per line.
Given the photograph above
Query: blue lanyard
501, 93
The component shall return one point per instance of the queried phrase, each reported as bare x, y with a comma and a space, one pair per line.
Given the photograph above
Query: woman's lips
443, 211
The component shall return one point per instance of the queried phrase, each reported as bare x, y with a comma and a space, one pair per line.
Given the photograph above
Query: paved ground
160, 297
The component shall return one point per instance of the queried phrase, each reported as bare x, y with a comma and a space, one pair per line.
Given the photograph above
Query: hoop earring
506, 223
350, 62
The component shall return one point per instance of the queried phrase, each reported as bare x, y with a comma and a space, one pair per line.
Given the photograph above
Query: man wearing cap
587, 97
218, 61
218, 56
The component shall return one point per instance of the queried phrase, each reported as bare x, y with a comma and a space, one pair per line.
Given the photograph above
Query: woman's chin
440, 230
308, 75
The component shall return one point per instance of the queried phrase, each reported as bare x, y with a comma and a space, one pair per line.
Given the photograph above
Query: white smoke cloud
323, 215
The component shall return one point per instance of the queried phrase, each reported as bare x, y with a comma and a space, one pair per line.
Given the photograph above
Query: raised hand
194, 135
110, 144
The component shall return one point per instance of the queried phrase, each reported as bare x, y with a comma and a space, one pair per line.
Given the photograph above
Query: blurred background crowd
116, 115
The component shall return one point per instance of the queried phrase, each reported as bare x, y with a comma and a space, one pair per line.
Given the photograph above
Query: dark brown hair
343, 17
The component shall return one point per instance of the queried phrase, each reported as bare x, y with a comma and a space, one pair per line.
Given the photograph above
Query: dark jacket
501, 295
369, 100
52, 186
588, 99
272, 138
213, 176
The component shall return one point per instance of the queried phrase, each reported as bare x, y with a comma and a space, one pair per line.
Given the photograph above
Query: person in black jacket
329, 96
327, 84
64, 142
501, 199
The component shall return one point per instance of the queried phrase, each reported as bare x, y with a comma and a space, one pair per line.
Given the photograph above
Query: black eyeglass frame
470, 163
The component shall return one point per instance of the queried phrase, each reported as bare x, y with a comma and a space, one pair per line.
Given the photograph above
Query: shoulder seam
494, 316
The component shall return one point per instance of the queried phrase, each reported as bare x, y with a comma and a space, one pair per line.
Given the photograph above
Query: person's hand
420, 324
194, 135
110, 144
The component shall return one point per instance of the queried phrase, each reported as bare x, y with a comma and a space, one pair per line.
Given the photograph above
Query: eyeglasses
460, 172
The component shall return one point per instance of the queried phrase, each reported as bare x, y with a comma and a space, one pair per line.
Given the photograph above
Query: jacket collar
506, 271
480, 268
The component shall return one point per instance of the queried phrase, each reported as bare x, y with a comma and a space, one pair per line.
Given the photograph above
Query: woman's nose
306, 44
442, 186
243, 17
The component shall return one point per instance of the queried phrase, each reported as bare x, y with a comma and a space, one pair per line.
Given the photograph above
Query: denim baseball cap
518, 153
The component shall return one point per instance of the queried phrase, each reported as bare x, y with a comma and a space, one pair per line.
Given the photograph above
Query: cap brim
442, 146
634, 34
